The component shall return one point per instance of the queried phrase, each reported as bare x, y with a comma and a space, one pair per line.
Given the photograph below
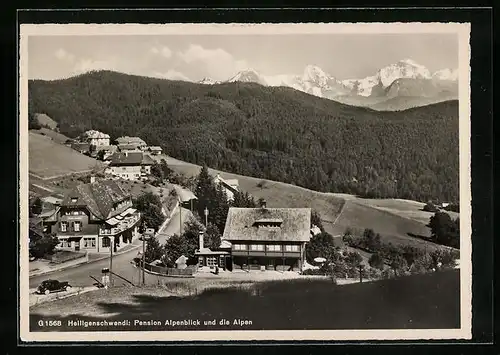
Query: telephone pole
144, 254
111, 245
180, 216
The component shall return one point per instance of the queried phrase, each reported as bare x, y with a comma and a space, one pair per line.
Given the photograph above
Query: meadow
412, 302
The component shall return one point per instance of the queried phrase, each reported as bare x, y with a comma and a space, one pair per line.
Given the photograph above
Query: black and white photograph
193, 182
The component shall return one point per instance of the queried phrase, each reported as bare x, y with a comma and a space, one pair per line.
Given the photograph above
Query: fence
168, 271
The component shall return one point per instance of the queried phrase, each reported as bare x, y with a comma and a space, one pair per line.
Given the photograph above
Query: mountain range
398, 86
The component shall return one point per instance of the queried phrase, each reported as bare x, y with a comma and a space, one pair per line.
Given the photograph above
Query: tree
399, 265
321, 245
167, 172
154, 251
212, 237
376, 261
444, 230
371, 240
42, 246
150, 207
353, 260
157, 171
37, 206
316, 220
100, 154
176, 246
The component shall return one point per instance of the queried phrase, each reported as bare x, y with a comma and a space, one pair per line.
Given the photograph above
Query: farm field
411, 302
49, 159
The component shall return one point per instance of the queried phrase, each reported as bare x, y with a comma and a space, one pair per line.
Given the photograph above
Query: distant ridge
275, 133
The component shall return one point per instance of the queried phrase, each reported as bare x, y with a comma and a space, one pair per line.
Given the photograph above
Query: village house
131, 143
108, 150
155, 150
95, 138
230, 186
130, 165
261, 239
95, 216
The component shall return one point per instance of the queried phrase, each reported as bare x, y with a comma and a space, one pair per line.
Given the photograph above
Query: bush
430, 207
261, 184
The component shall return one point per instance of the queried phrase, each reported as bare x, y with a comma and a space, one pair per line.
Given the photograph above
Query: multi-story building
95, 138
261, 238
130, 165
95, 216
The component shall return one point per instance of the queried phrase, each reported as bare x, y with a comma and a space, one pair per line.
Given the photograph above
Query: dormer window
74, 199
268, 223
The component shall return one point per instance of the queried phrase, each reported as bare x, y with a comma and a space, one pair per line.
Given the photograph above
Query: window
77, 226
257, 247
240, 247
64, 226
292, 247
200, 260
65, 243
106, 242
211, 261
74, 199
75, 213
274, 247
89, 242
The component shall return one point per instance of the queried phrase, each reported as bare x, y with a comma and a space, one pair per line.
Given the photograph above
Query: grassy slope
419, 301
48, 158
403, 217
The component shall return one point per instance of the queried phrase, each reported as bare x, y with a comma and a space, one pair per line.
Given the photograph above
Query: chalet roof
95, 134
241, 224
147, 160
130, 158
99, 197
231, 184
35, 226
155, 148
184, 195
130, 140
108, 148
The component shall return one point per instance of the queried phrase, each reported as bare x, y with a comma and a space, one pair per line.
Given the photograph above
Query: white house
230, 186
96, 138
130, 165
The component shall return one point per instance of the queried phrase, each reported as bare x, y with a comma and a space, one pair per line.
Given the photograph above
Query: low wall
168, 271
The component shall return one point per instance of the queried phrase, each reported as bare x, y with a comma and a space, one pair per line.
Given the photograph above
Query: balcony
122, 226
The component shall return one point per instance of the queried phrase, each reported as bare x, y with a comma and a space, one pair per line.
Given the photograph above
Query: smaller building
81, 147
95, 138
130, 165
155, 150
209, 259
129, 147
230, 186
127, 143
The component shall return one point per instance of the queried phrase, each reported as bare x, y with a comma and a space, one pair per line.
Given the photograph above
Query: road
79, 276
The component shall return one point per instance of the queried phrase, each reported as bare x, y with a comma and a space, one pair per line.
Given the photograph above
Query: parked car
49, 286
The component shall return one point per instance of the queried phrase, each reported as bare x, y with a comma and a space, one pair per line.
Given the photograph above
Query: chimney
92, 179
263, 203
201, 236
126, 153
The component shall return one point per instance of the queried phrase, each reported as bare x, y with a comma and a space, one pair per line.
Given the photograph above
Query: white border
463, 32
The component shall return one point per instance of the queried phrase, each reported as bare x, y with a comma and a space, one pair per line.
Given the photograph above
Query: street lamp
206, 217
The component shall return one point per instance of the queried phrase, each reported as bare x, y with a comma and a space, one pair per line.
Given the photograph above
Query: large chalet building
95, 216
96, 138
261, 239
130, 165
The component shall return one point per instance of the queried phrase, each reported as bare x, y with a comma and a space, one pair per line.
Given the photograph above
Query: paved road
79, 276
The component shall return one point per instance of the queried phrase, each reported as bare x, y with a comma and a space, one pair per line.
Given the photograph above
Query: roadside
36, 299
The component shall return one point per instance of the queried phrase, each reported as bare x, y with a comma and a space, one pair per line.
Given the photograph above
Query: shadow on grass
412, 302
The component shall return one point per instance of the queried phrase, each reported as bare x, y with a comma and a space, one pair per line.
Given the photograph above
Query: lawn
276, 194
50, 159
412, 302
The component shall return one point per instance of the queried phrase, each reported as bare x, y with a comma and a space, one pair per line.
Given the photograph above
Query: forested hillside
270, 132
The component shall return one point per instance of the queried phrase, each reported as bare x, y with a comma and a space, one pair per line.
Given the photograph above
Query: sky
219, 57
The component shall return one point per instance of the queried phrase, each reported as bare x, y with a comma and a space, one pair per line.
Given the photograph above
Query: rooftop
130, 158
95, 134
130, 140
99, 197
246, 224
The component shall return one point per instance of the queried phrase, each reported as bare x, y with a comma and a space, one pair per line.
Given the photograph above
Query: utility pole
111, 242
144, 254
180, 216
206, 217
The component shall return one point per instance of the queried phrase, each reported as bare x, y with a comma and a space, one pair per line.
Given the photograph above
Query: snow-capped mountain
249, 76
446, 74
405, 78
384, 77
208, 81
